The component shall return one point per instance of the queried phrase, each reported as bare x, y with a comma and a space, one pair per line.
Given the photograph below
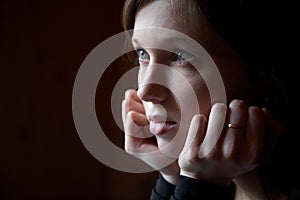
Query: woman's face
164, 102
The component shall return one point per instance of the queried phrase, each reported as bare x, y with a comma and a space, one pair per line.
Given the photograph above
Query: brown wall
42, 45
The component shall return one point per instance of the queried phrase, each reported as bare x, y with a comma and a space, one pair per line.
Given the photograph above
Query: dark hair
250, 27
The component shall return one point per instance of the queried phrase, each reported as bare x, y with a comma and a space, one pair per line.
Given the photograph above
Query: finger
237, 115
195, 136
136, 125
254, 136
234, 136
136, 145
137, 118
136, 106
129, 93
132, 94
214, 128
147, 151
125, 103
131, 102
125, 110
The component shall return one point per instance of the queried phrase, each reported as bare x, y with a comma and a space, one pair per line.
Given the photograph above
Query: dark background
42, 45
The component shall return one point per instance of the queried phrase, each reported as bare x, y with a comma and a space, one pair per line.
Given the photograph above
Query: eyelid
186, 55
180, 56
138, 51
143, 56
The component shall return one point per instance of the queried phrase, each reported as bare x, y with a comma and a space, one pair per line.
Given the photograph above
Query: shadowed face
168, 75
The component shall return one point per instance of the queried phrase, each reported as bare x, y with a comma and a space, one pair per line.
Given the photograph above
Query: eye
143, 56
182, 57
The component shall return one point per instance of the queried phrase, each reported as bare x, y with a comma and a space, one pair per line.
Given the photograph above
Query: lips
160, 128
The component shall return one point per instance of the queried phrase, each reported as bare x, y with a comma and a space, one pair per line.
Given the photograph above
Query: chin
170, 145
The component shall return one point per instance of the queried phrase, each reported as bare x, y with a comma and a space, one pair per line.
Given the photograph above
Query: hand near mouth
140, 142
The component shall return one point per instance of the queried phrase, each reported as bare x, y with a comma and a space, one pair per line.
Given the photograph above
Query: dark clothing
192, 189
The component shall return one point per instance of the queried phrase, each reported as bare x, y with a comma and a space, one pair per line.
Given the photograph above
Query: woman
216, 148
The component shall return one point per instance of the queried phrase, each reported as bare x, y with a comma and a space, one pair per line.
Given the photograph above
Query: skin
238, 150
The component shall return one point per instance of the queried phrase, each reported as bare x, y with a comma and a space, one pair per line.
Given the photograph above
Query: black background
42, 45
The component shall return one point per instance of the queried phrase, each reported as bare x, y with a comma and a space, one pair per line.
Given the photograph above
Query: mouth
160, 128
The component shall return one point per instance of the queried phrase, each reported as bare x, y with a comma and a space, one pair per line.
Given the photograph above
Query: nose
154, 93
153, 83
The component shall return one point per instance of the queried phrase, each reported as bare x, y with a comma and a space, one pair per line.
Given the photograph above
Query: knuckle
229, 152
186, 162
129, 93
130, 149
190, 156
131, 115
214, 154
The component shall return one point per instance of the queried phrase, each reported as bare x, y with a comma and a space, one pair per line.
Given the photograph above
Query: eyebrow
169, 40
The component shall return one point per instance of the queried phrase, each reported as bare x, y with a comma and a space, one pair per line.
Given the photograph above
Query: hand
139, 142
216, 153
250, 183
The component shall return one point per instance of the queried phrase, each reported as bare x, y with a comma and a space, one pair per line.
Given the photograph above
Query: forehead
190, 22
160, 14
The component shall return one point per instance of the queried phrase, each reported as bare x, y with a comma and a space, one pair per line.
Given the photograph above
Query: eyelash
178, 58
141, 53
182, 57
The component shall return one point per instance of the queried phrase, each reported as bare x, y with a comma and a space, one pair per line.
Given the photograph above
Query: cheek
141, 75
203, 96
200, 89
